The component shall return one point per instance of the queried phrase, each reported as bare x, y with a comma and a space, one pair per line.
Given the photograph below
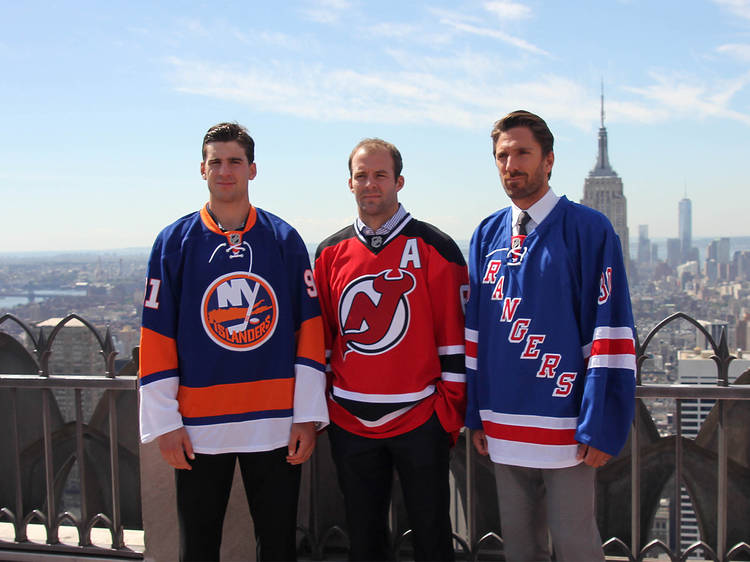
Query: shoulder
173, 236
490, 224
336, 238
435, 238
585, 218
279, 226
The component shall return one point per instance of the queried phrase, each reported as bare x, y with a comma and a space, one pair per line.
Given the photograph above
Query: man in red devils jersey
232, 357
391, 290
550, 355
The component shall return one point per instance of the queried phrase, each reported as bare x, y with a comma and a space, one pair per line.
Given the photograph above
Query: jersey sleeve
309, 367
448, 284
159, 372
324, 294
471, 334
608, 400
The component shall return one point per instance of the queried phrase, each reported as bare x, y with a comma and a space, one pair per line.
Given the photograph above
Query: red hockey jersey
394, 325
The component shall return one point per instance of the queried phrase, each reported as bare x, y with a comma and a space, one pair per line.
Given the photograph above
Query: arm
448, 284
473, 420
159, 370
309, 387
607, 329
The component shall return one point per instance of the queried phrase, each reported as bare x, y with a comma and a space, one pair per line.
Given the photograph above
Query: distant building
673, 252
713, 327
741, 265
75, 351
741, 333
602, 190
685, 229
644, 245
698, 368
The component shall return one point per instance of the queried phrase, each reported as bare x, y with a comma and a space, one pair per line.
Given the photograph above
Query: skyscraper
602, 190
644, 244
686, 229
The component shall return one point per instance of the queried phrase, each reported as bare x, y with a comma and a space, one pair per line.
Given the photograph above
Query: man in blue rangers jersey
232, 357
550, 357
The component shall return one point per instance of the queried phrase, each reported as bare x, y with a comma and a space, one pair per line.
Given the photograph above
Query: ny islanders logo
239, 311
374, 311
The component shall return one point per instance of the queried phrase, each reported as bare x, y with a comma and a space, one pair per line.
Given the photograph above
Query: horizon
108, 107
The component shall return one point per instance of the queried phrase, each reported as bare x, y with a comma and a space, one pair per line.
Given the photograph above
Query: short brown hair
398, 163
227, 132
522, 118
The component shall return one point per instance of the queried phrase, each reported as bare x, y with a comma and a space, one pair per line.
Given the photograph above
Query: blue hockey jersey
232, 343
550, 356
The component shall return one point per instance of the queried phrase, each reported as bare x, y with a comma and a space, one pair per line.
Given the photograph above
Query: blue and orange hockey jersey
550, 352
232, 344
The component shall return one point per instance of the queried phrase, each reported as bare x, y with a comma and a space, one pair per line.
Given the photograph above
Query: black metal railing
628, 487
95, 448
620, 483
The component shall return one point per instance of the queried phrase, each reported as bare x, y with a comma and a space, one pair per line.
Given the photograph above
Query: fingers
479, 439
301, 442
173, 447
592, 456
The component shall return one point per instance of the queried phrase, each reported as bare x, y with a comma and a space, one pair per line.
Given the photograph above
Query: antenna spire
602, 103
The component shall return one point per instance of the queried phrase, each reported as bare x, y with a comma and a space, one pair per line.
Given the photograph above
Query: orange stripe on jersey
158, 353
310, 340
213, 227
613, 347
237, 398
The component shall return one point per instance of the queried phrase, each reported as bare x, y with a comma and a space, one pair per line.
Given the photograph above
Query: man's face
227, 172
374, 185
523, 169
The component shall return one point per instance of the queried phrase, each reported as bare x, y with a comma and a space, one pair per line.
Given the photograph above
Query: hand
174, 446
592, 456
301, 442
479, 438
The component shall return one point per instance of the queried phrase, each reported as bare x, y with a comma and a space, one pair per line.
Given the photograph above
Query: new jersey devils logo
239, 311
374, 311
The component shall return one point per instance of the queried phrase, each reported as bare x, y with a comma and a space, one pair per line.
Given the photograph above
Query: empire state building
602, 190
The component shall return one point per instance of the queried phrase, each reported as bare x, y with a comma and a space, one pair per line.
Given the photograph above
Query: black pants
272, 490
365, 474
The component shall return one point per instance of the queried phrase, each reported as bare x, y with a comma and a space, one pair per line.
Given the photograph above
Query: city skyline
106, 107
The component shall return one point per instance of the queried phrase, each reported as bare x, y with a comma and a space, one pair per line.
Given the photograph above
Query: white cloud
736, 50
495, 34
681, 95
392, 95
508, 10
739, 8
326, 11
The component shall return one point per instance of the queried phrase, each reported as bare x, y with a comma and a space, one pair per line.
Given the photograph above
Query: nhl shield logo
517, 250
239, 311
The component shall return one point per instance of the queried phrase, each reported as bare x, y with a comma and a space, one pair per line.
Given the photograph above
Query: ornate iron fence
629, 487
38, 460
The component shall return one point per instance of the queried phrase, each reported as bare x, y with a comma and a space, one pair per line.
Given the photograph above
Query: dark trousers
365, 473
272, 489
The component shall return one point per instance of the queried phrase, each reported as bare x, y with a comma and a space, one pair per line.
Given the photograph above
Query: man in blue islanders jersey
550, 357
391, 291
232, 357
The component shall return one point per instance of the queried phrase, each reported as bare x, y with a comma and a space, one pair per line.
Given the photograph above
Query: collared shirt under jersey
386, 227
538, 211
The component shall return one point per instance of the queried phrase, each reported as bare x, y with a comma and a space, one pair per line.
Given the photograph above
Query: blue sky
104, 106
